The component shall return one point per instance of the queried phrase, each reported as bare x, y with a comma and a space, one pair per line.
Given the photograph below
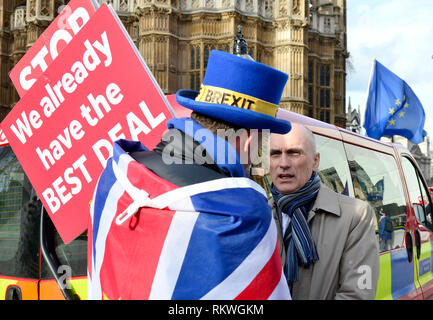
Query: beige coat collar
326, 201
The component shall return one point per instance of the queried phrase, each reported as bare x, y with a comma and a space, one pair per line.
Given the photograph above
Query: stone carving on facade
161, 39
327, 25
45, 8
124, 6
31, 10
296, 7
210, 4
283, 8
268, 8
18, 18
249, 6
296, 76
284, 25
142, 3
195, 4
283, 50
226, 3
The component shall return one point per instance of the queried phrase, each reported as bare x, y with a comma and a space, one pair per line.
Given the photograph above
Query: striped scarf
299, 243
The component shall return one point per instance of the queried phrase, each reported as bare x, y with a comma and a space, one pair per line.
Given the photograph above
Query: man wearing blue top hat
223, 243
236, 94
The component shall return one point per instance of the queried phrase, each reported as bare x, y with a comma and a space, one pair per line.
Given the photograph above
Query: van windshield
19, 231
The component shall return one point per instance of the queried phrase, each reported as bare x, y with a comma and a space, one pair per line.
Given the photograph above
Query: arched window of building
195, 79
206, 55
197, 58
192, 59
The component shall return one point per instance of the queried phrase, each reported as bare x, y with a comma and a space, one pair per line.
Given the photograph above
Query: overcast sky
399, 34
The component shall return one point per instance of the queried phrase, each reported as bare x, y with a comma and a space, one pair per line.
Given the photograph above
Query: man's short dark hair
213, 124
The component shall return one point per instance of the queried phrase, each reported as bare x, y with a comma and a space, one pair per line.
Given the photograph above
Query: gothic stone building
304, 38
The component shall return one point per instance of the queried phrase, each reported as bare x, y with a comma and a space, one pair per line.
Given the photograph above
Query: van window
376, 179
73, 254
19, 220
419, 197
333, 168
72, 257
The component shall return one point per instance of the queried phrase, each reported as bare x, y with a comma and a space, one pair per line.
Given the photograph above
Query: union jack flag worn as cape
150, 239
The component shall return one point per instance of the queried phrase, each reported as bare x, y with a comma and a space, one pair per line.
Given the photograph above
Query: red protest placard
97, 91
179, 110
49, 45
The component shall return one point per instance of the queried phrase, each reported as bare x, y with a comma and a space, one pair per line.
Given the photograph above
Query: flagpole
369, 84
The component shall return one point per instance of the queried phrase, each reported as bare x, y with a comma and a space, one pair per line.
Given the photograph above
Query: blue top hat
240, 91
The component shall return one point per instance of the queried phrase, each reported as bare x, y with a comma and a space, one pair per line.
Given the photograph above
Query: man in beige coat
327, 240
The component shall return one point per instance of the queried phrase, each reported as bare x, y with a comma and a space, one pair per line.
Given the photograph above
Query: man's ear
316, 161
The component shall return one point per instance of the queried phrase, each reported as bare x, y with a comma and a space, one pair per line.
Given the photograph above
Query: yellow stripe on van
80, 287
384, 284
4, 284
424, 264
415, 262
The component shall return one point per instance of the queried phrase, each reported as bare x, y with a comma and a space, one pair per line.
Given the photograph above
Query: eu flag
392, 107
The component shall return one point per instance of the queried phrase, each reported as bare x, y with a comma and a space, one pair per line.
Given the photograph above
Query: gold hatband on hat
217, 95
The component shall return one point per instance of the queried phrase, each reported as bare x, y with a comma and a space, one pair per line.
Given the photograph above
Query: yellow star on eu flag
391, 122
391, 111
397, 102
401, 114
406, 105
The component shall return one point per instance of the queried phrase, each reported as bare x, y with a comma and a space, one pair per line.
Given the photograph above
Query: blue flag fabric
392, 107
